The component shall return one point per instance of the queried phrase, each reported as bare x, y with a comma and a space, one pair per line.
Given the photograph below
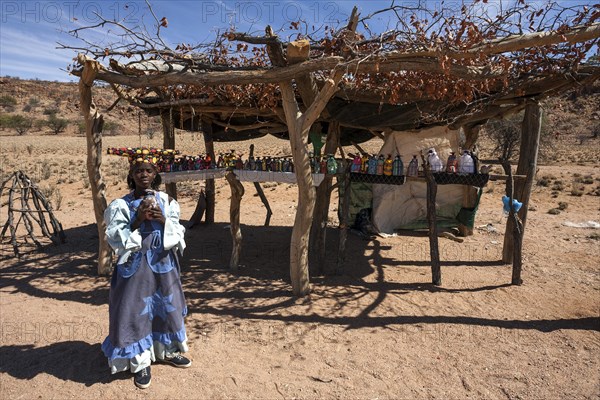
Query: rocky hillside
37, 107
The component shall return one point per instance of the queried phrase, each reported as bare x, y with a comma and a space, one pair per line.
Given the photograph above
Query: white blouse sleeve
174, 231
118, 228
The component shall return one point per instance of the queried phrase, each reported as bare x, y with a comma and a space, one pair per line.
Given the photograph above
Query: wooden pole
436, 272
469, 192
210, 183
93, 132
261, 193
237, 191
517, 228
323, 197
528, 155
166, 120
345, 204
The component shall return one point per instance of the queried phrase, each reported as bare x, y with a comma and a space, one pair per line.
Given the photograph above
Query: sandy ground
377, 330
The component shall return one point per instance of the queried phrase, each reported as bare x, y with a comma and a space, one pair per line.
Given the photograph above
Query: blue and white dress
146, 302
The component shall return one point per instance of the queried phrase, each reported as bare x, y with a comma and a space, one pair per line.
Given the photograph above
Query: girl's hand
155, 214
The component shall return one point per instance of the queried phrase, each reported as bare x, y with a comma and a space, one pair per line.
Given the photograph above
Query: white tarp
400, 206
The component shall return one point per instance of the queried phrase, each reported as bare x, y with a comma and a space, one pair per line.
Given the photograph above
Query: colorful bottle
388, 166
331, 165
364, 164
452, 164
323, 166
398, 166
380, 162
355, 164
413, 167
372, 168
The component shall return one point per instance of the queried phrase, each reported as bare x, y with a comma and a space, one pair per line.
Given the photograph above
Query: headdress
141, 155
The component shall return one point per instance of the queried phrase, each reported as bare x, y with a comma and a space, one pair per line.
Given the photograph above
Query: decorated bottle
380, 162
435, 164
364, 163
397, 166
452, 164
323, 166
466, 164
372, 168
355, 164
331, 165
413, 167
388, 166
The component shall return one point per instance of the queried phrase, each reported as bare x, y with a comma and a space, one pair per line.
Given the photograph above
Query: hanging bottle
452, 164
398, 166
466, 164
380, 162
388, 166
413, 167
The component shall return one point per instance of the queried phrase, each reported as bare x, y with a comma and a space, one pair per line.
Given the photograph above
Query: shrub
562, 205
543, 182
554, 211
56, 124
8, 101
18, 122
577, 191
50, 111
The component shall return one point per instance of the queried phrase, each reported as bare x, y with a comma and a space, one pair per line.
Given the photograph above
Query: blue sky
30, 30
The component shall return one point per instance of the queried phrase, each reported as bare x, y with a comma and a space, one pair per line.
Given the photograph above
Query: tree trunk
168, 143
93, 132
528, 154
306, 192
237, 192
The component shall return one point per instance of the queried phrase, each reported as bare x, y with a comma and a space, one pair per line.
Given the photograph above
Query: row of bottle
373, 165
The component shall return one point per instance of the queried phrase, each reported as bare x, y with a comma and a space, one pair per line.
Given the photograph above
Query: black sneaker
178, 361
142, 378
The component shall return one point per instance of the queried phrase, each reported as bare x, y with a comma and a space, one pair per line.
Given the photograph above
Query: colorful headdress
141, 155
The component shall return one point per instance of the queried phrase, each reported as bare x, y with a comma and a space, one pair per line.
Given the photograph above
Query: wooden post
469, 192
210, 183
261, 192
517, 227
237, 191
93, 133
345, 203
528, 154
436, 272
319, 227
168, 143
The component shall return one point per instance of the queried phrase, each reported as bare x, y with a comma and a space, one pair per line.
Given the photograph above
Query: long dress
146, 301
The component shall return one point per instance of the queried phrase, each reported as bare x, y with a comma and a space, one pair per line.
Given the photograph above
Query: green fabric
466, 216
361, 196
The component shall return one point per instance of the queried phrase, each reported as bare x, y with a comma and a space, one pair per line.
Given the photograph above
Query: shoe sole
177, 365
141, 386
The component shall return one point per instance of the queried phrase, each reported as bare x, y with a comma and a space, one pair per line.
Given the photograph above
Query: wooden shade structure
337, 88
